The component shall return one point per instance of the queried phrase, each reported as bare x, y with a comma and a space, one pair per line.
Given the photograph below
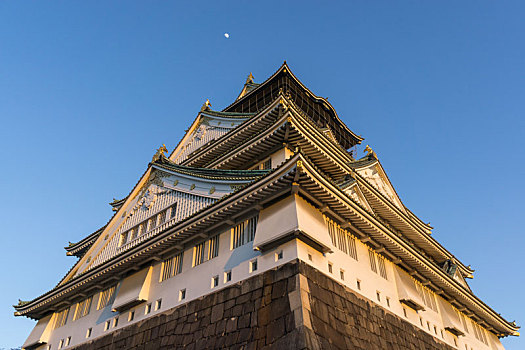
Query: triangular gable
208, 126
376, 176
354, 192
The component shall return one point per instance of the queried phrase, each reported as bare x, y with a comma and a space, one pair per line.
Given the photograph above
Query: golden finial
160, 153
370, 152
206, 106
249, 80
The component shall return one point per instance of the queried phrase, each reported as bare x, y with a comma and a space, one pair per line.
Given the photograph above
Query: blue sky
89, 90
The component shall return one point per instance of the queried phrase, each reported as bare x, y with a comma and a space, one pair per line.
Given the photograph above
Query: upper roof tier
254, 97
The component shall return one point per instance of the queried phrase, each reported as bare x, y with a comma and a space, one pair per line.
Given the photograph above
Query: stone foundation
292, 307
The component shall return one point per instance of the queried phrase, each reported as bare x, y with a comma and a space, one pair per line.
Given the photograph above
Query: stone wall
292, 307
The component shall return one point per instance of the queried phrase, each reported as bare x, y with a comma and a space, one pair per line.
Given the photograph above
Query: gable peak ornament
206, 106
370, 152
160, 153
249, 80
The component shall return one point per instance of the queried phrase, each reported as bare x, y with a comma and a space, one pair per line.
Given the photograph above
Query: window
310, 257
161, 217
342, 239
158, 304
227, 276
106, 297
61, 318
330, 267
388, 301
378, 295
68, 341
253, 265
82, 308
89, 332
173, 211
405, 313
214, 281
171, 267
106, 325
243, 232
279, 255
213, 247
182, 294
152, 223
267, 164
372, 257
198, 254
358, 284
131, 316
427, 296
377, 264
342, 274
123, 238
61, 344
148, 309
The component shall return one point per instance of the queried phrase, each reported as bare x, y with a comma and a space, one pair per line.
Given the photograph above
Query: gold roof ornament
160, 153
370, 152
249, 80
206, 106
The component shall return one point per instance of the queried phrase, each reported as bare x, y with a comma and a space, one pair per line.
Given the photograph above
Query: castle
264, 229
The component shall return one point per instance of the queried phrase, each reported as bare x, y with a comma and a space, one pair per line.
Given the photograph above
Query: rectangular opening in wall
253, 265
148, 309
378, 296
89, 332
214, 281
213, 247
171, 267
182, 294
68, 341
330, 267
198, 254
106, 325
372, 258
243, 232
61, 318
358, 284
342, 274
158, 304
131, 316
227, 276
82, 308
61, 344
115, 322
279, 255
106, 297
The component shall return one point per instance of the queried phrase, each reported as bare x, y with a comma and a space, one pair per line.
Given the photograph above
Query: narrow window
342, 274
252, 227
173, 211
68, 341
279, 255
198, 254
213, 247
388, 301
435, 330
115, 322
148, 309
310, 257
88, 333
372, 257
358, 283
158, 304
421, 321
378, 295
106, 325
161, 217
82, 308
61, 344
382, 267
214, 281
182, 294
428, 325
253, 265
131, 316
405, 312
330, 267
227, 276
